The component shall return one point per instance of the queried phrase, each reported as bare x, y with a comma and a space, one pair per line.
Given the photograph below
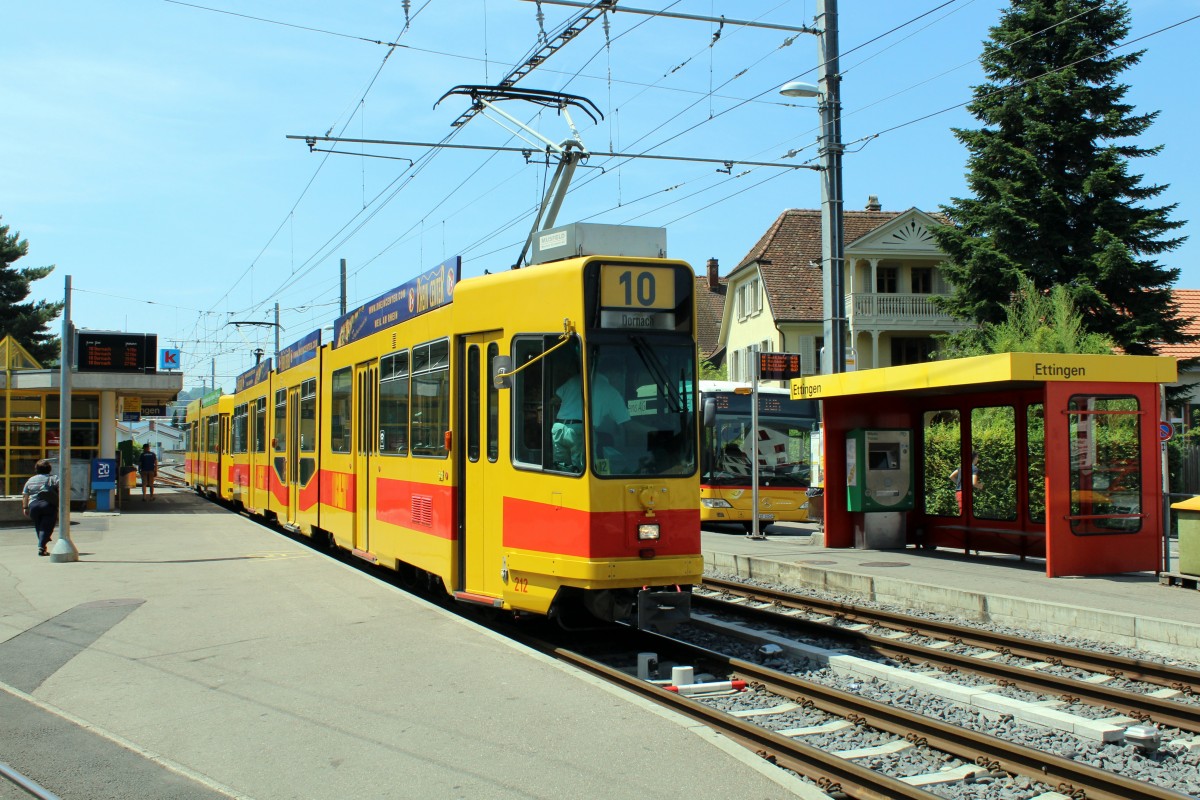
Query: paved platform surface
191, 653
1132, 609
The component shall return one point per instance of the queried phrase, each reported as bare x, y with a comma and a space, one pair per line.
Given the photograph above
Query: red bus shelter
1069, 463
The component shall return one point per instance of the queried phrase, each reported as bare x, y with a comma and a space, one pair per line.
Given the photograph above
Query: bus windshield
784, 427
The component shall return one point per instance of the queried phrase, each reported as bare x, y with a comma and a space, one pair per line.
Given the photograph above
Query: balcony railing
898, 310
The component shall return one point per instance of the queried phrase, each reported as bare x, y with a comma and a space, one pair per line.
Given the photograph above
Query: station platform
1132, 609
192, 653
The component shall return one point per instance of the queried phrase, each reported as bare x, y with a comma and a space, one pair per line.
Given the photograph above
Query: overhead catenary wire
358, 228
877, 133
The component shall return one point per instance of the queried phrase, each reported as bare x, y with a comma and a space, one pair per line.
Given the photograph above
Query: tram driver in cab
610, 419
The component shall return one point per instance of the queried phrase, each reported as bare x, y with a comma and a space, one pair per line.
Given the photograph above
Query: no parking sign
1165, 431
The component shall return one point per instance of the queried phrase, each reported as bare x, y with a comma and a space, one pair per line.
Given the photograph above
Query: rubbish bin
1188, 513
816, 504
127, 481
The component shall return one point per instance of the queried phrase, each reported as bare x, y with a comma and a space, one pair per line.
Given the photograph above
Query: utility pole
829, 85
64, 549
342, 307
833, 243
277, 333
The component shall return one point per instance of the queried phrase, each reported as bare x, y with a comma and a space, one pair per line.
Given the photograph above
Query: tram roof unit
990, 372
596, 239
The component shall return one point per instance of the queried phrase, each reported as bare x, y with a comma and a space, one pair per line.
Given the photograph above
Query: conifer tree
1053, 195
25, 321
1034, 323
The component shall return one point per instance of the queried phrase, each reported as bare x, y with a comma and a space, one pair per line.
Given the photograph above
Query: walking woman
40, 503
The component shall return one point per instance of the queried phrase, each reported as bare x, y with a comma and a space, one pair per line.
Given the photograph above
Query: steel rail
1139, 706
1071, 778
1174, 677
1068, 777
831, 773
30, 787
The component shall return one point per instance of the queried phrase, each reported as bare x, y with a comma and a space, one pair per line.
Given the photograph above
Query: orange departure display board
779, 366
115, 352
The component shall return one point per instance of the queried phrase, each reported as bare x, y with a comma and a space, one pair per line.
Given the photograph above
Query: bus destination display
116, 352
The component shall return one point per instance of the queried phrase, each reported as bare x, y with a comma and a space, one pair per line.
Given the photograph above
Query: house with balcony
892, 272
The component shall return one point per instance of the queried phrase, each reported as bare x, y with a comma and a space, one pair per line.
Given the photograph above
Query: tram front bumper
661, 611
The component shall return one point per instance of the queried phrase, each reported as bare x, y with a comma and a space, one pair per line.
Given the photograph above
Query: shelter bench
967, 530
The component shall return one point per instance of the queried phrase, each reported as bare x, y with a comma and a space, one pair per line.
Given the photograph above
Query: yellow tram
526, 439
205, 443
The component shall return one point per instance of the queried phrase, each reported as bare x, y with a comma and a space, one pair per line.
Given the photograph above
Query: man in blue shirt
148, 467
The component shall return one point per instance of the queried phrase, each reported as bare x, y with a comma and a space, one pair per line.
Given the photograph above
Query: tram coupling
661, 611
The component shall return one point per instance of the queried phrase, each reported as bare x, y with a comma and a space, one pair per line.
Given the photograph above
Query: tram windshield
639, 416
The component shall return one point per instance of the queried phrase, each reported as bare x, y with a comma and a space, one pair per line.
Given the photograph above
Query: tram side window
280, 420
535, 406
241, 419
430, 398
339, 411
308, 416
527, 402
393, 404
213, 436
260, 425
493, 407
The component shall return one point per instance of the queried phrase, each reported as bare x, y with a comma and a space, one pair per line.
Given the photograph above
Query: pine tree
25, 321
1054, 198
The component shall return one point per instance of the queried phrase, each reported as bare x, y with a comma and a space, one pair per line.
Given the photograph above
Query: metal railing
898, 308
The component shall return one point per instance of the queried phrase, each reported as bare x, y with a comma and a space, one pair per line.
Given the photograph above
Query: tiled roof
1188, 301
710, 304
789, 258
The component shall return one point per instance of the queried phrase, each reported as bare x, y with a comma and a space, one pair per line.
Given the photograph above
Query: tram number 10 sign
779, 366
639, 297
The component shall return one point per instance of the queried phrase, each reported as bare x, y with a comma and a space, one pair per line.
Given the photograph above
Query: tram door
366, 450
480, 480
292, 480
222, 454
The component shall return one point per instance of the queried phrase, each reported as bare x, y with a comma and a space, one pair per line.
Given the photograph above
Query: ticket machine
879, 484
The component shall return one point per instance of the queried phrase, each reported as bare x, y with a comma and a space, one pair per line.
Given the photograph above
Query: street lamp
833, 244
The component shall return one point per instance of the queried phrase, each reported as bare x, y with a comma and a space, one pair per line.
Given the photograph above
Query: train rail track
834, 775
837, 776
30, 787
1181, 679
983, 756
1143, 707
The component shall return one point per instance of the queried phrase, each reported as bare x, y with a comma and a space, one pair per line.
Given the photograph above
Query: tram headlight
647, 531
714, 502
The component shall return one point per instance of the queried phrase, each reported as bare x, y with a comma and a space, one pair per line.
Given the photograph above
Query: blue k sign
168, 360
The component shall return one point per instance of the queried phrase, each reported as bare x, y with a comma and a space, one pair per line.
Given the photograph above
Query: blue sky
145, 150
